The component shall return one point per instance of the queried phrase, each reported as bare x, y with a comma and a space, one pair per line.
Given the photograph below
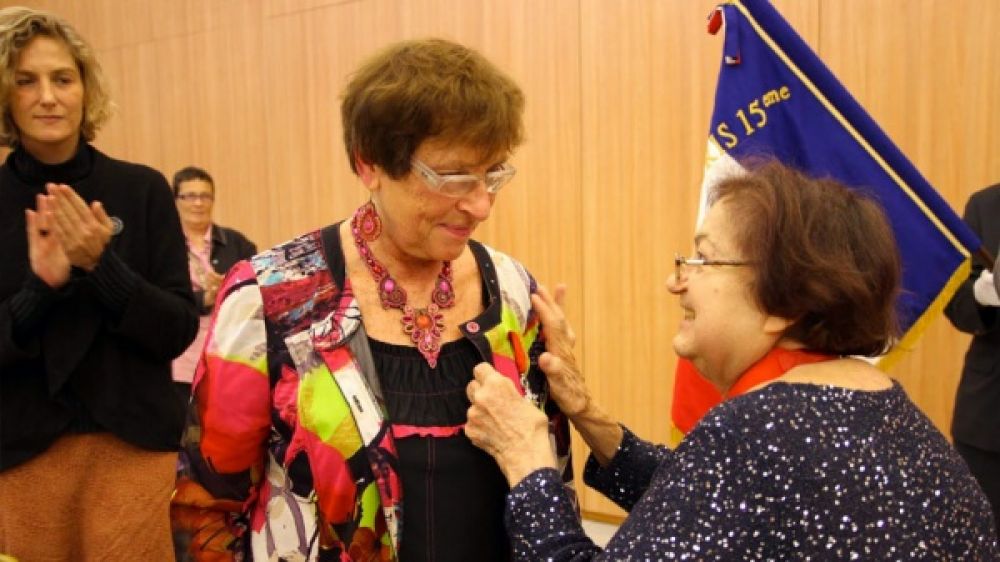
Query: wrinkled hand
506, 425
83, 231
566, 383
45, 253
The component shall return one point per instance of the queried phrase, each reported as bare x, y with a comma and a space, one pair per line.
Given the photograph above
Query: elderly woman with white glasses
331, 394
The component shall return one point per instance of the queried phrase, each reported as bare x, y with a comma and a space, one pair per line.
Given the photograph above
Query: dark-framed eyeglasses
460, 185
682, 264
192, 197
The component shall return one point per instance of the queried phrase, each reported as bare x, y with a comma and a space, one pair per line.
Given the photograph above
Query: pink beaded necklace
423, 325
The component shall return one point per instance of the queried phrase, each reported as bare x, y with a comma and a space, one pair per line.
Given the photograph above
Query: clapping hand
211, 283
45, 252
83, 231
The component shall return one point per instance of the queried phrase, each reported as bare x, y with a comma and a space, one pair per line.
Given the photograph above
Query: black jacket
96, 354
976, 420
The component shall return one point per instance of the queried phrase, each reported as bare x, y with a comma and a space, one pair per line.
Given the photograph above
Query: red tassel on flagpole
715, 21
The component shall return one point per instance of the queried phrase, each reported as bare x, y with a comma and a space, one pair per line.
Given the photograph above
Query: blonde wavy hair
18, 26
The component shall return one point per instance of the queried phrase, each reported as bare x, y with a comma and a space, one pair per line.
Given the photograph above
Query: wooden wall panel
286, 7
198, 99
132, 77
190, 17
926, 72
619, 95
305, 69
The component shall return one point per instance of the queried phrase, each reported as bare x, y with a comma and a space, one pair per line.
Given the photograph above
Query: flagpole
987, 257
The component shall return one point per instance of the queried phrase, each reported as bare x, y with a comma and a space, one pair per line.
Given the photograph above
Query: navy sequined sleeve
630, 471
792, 471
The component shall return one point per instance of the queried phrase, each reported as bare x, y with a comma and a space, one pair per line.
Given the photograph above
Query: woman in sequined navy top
823, 458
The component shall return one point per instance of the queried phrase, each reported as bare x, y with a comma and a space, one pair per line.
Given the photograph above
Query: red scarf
777, 362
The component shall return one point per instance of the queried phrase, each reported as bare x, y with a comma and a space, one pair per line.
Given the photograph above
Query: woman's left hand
506, 425
83, 231
211, 283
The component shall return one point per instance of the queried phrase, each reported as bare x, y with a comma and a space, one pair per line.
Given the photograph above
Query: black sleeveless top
453, 492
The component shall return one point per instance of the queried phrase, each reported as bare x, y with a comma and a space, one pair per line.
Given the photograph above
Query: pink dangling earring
369, 223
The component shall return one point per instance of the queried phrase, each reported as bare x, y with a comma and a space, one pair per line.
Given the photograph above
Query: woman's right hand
46, 255
566, 383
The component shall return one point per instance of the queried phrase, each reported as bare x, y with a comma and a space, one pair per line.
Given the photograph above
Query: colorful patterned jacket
288, 453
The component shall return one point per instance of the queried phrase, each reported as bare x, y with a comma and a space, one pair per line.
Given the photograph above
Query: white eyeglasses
460, 185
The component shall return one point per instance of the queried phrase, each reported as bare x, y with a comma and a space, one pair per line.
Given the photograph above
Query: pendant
424, 326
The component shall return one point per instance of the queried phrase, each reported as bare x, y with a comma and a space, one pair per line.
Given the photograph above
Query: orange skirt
88, 497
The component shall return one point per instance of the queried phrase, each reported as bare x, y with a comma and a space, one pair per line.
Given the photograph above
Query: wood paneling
926, 72
619, 94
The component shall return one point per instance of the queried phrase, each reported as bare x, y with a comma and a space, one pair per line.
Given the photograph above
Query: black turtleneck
30, 306
100, 347
34, 172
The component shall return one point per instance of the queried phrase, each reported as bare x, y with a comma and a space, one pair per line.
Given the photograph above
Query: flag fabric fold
776, 98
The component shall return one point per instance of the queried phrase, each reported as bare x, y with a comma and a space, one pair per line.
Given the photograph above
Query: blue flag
776, 98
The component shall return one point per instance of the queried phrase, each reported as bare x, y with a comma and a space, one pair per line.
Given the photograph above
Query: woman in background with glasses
821, 457
331, 393
212, 250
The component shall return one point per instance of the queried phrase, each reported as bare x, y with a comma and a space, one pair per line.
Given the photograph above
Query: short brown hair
190, 173
418, 89
18, 26
824, 256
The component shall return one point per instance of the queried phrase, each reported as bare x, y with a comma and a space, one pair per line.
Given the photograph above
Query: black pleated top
453, 492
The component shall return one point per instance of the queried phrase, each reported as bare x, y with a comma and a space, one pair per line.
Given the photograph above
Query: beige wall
619, 96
